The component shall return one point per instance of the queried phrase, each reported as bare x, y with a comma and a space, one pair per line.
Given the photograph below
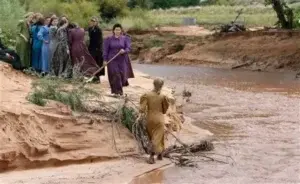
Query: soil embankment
33, 136
263, 50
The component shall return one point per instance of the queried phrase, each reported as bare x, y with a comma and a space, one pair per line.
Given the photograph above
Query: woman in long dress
95, 46
52, 39
129, 70
80, 55
37, 44
117, 70
43, 35
61, 63
155, 105
23, 47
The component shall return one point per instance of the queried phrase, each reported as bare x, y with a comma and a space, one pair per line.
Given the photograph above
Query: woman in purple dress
80, 55
117, 70
129, 70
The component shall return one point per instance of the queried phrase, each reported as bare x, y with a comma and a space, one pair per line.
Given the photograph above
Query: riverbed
255, 117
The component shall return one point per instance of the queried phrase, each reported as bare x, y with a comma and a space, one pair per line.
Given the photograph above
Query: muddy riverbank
254, 116
262, 50
47, 138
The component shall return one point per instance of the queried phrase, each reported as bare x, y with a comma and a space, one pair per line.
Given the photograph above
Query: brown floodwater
255, 117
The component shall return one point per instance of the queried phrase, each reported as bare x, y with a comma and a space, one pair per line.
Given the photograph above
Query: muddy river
255, 117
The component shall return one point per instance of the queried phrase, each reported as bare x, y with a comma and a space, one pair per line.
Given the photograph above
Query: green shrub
140, 3
129, 116
297, 17
137, 19
11, 12
56, 89
153, 42
111, 9
78, 11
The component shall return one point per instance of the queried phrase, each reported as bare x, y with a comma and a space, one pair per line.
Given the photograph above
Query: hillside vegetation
140, 14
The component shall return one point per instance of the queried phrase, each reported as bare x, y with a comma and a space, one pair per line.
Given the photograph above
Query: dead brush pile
183, 155
125, 113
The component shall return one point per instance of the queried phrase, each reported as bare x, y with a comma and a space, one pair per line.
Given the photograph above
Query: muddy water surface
255, 117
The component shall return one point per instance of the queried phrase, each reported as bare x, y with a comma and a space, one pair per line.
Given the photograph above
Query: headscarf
158, 84
28, 14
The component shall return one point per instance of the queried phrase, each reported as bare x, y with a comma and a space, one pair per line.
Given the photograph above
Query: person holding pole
116, 49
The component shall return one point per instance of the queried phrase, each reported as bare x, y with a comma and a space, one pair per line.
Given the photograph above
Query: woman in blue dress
37, 45
43, 35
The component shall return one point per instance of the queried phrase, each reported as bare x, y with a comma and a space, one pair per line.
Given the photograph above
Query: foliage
297, 17
145, 4
284, 13
77, 11
214, 15
153, 42
110, 9
10, 13
131, 119
174, 3
231, 2
56, 89
137, 19
129, 116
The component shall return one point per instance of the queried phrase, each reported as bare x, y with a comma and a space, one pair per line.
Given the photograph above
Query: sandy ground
186, 30
33, 136
112, 172
266, 51
263, 50
46, 137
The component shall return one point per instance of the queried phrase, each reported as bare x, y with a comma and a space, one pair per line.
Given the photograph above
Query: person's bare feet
159, 157
151, 160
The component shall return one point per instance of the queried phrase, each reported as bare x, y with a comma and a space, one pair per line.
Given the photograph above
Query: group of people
52, 45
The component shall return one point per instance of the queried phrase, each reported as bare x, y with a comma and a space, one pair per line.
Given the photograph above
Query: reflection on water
257, 127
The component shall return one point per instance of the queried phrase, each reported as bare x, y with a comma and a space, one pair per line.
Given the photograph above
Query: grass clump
214, 15
137, 19
59, 90
129, 116
141, 19
153, 42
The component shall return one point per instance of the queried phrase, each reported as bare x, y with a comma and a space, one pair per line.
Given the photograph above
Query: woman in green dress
23, 46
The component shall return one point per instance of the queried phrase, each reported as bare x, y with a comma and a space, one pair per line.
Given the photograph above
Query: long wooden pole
90, 79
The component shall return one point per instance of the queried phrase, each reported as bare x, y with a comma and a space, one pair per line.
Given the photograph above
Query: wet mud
254, 116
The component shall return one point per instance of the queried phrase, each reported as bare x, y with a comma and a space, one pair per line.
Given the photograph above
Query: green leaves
11, 12
110, 9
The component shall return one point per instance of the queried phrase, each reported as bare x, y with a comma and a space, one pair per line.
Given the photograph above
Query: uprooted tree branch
125, 112
183, 155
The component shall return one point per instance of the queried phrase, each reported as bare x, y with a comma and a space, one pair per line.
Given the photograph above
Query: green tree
284, 13
110, 9
70, 8
11, 12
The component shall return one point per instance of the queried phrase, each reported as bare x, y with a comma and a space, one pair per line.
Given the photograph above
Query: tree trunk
278, 7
